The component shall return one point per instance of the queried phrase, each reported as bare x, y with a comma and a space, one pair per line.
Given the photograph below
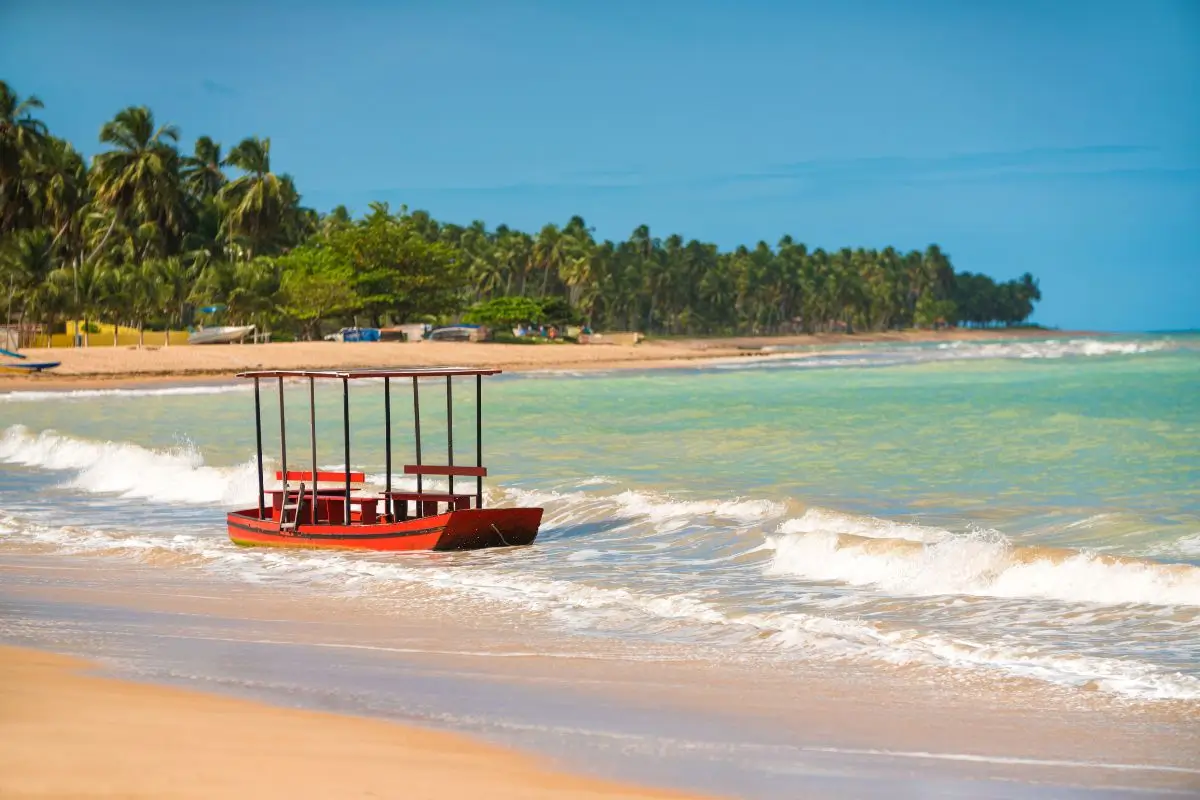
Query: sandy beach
68, 733
109, 366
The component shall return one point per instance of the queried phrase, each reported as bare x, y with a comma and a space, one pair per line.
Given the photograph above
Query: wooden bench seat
322, 476
323, 488
441, 497
434, 469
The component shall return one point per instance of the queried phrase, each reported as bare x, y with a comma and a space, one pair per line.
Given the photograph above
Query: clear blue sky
1061, 138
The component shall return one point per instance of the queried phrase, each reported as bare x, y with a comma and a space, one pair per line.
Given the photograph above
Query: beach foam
909, 560
92, 394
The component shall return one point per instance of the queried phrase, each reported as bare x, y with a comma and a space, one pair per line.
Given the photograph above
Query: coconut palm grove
147, 235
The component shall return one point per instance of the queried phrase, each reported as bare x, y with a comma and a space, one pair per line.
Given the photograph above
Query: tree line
145, 235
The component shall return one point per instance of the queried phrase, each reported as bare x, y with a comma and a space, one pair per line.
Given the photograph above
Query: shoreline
695, 726
124, 738
129, 367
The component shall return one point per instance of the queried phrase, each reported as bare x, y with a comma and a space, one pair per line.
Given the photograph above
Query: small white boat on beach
225, 334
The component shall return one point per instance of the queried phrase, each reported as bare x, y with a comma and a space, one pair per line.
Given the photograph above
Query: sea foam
92, 394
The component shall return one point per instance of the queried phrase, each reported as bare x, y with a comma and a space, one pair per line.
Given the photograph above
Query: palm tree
254, 203
256, 290
516, 252
21, 136
60, 178
201, 172
549, 251
26, 263
339, 217
145, 288
138, 179
175, 282
575, 271
298, 223
85, 291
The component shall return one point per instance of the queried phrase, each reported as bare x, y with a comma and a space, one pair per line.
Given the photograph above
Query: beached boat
458, 333
330, 509
225, 334
31, 366
23, 363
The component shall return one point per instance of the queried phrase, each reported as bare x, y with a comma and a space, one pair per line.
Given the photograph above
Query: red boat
330, 509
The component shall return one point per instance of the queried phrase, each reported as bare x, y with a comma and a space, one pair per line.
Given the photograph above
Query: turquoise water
1004, 509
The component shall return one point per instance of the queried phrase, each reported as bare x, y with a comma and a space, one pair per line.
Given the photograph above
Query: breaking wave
914, 560
1055, 348
174, 475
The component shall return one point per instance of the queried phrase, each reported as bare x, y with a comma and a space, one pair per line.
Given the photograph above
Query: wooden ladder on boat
290, 506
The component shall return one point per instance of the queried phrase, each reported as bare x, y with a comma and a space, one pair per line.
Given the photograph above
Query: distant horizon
1062, 141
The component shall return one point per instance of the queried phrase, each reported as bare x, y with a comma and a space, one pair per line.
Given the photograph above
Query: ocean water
996, 511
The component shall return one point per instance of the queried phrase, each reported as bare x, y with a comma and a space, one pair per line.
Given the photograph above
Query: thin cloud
999, 166
952, 167
212, 87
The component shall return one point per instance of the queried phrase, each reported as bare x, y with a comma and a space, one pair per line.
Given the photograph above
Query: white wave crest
176, 475
859, 552
962, 350
819, 520
664, 512
1189, 545
92, 394
1051, 348
847, 638
659, 508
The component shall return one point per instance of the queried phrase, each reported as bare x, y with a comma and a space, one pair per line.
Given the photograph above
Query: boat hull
31, 366
465, 529
223, 335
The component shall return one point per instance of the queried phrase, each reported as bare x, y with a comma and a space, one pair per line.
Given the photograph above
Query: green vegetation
144, 235
504, 312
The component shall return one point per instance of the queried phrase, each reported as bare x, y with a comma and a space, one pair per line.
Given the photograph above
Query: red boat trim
304, 535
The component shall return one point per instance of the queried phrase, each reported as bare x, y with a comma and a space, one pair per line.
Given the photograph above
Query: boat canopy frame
345, 376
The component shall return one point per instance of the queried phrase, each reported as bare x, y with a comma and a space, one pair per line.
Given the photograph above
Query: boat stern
475, 528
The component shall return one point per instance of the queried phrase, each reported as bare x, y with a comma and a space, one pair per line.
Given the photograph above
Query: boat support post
387, 444
479, 439
346, 433
312, 433
262, 510
450, 433
283, 448
417, 427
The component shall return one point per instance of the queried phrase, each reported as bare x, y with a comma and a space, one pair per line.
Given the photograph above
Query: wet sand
123, 366
68, 733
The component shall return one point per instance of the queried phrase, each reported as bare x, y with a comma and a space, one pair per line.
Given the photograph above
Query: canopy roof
382, 372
